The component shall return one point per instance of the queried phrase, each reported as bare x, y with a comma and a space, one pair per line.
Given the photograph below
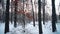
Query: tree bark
11, 11
43, 11
33, 13
15, 14
7, 17
54, 18
23, 18
39, 16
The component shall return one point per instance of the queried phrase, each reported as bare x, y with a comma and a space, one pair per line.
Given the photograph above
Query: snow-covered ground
30, 29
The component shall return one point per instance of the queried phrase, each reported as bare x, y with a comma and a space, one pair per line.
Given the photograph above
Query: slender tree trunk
39, 16
59, 16
15, 14
23, 18
33, 13
54, 19
11, 10
7, 17
2, 3
43, 11
11, 18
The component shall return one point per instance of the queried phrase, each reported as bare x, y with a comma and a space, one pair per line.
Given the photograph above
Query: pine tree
54, 18
7, 17
39, 16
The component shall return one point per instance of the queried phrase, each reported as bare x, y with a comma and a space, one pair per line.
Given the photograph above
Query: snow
30, 29
1, 28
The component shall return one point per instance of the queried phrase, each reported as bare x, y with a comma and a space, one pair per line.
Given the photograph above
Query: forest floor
30, 29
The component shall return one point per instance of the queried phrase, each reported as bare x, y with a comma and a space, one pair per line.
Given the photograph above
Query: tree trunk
33, 13
7, 17
39, 16
3, 7
59, 16
15, 14
43, 11
11, 10
23, 18
54, 18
